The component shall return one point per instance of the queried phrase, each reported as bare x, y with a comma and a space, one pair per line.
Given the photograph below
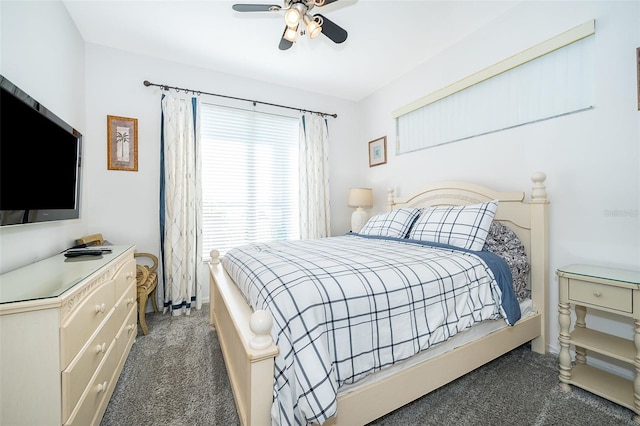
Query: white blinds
250, 177
549, 80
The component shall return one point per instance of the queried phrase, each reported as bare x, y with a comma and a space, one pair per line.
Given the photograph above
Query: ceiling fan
297, 14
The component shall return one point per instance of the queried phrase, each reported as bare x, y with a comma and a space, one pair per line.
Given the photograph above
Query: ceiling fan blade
325, 2
334, 32
284, 43
256, 7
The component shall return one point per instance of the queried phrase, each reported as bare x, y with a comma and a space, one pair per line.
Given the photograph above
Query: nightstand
606, 289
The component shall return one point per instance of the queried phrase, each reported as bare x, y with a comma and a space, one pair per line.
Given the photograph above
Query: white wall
591, 158
43, 54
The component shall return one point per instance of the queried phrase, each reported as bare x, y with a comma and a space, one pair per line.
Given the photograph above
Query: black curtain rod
197, 92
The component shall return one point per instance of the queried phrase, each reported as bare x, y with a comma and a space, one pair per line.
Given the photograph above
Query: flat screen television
40, 161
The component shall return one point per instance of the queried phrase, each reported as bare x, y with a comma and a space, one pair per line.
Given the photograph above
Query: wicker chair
147, 279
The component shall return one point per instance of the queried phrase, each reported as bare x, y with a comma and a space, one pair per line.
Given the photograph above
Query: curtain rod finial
146, 83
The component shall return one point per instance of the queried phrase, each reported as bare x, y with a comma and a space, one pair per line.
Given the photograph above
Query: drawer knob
131, 300
100, 308
597, 293
101, 348
102, 387
131, 327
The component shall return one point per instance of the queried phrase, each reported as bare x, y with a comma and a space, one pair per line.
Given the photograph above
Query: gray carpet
176, 376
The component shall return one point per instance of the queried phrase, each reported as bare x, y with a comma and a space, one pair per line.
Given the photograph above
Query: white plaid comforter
347, 306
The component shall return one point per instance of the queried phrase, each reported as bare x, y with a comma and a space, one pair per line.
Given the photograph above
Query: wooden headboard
528, 219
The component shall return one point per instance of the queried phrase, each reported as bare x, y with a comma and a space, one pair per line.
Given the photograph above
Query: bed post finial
215, 256
260, 323
539, 191
390, 199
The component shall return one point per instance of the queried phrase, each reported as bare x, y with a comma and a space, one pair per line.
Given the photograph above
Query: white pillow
395, 223
460, 226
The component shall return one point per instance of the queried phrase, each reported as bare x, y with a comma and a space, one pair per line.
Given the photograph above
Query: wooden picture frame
378, 151
122, 143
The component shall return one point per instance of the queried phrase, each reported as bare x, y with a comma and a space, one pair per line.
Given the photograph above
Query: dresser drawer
125, 276
76, 377
127, 333
601, 295
124, 305
99, 388
85, 320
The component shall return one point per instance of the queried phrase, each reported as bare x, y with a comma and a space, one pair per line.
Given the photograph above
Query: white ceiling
386, 38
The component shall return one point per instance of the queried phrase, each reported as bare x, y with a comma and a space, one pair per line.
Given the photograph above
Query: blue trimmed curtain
314, 176
180, 204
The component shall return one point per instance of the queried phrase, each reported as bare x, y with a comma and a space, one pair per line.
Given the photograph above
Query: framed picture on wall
122, 143
378, 151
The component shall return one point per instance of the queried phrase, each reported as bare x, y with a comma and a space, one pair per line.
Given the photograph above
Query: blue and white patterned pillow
503, 242
395, 223
461, 226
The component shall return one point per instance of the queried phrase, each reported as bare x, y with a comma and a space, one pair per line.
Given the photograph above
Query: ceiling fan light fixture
292, 16
314, 28
291, 34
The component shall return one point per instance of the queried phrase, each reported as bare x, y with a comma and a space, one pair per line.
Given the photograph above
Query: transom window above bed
249, 177
551, 79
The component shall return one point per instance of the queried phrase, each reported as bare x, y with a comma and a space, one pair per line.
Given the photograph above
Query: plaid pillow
396, 223
460, 226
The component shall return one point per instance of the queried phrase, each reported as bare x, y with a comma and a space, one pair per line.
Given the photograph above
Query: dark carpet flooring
175, 375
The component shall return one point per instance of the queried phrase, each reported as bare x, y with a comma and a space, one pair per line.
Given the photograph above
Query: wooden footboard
250, 370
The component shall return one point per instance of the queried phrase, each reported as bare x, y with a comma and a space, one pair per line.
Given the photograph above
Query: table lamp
359, 198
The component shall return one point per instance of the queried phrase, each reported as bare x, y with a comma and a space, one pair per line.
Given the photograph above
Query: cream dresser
66, 328
606, 289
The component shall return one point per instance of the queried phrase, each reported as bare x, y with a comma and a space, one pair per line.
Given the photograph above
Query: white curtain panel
182, 233
314, 177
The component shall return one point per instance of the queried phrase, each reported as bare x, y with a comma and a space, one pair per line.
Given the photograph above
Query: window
249, 177
549, 80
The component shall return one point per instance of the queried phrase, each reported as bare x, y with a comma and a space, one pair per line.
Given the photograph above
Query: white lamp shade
360, 197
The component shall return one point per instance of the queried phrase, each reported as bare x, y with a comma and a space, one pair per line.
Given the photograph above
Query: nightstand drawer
601, 295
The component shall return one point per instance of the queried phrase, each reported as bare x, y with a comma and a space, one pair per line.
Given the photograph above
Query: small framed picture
122, 143
378, 151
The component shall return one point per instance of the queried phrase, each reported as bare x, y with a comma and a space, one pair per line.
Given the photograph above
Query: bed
251, 356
